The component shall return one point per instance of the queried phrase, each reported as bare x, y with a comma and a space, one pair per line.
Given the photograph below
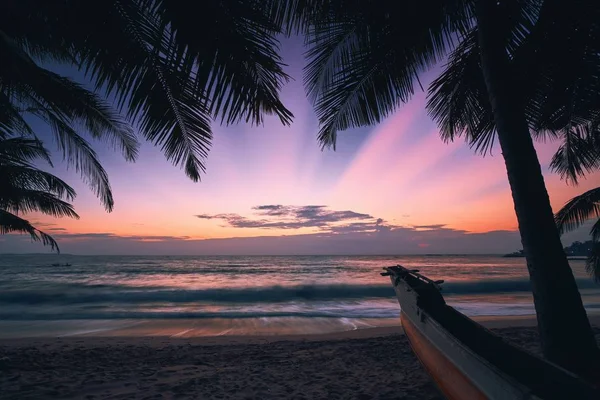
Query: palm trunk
565, 332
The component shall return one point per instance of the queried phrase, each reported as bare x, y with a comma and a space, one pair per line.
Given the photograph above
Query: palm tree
170, 66
25, 188
578, 210
579, 154
513, 69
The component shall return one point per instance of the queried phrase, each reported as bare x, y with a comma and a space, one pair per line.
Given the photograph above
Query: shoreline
166, 331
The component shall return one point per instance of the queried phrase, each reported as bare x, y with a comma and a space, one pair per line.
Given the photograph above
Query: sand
363, 364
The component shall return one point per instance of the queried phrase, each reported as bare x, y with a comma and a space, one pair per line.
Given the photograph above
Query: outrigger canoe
466, 360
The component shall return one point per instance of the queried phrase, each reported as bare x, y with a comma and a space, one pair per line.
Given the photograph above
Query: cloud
105, 235
277, 216
273, 210
55, 229
425, 227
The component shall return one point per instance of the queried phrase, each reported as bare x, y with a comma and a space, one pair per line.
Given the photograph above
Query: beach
375, 363
267, 327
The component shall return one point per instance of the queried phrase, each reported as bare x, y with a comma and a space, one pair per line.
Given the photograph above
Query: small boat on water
466, 360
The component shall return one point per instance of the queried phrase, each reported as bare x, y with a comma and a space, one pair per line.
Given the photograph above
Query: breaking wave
82, 294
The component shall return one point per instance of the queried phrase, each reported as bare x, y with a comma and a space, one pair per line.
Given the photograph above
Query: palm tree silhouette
578, 155
170, 66
25, 188
578, 210
514, 69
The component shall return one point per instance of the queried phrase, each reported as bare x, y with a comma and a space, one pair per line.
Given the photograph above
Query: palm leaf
298, 16
11, 118
78, 152
13, 178
116, 51
458, 100
561, 56
19, 150
554, 59
579, 153
243, 82
595, 231
165, 62
592, 264
65, 105
23, 201
11, 223
46, 90
170, 111
578, 210
363, 62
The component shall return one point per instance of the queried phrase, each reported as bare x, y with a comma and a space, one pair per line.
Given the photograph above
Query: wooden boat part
466, 360
451, 381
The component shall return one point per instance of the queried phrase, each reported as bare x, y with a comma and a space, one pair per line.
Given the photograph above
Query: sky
393, 188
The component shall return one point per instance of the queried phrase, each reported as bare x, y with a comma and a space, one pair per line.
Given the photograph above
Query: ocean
247, 295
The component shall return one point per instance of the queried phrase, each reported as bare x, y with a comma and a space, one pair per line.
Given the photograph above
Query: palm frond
244, 28
595, 231
458, 100
65, 105
11, 119
181, 129
13, 178
18, 150
364, 61
31, 83
558, 66
579, 153
11, 223
297, 16
592, 264
36, 26
173, 66
578, 210
348, 94
140, 52
78, 152
553, 65
156, 92
23, 201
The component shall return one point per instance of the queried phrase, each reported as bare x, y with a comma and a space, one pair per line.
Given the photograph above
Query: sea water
68, 294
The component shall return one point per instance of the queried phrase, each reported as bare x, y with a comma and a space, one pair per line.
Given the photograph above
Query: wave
272, 294
371, 313
197, 315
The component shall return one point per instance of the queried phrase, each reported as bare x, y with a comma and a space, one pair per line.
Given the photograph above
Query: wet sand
361, 364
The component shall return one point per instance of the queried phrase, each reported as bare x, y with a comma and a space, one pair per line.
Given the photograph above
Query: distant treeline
576, 249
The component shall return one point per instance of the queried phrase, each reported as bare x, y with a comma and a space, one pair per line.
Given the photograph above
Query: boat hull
456, 370
450, 380
466, 360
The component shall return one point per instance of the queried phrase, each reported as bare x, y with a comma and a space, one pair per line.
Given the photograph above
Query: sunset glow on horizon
399, 171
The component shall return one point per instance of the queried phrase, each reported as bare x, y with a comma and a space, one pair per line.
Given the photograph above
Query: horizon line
254, 255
